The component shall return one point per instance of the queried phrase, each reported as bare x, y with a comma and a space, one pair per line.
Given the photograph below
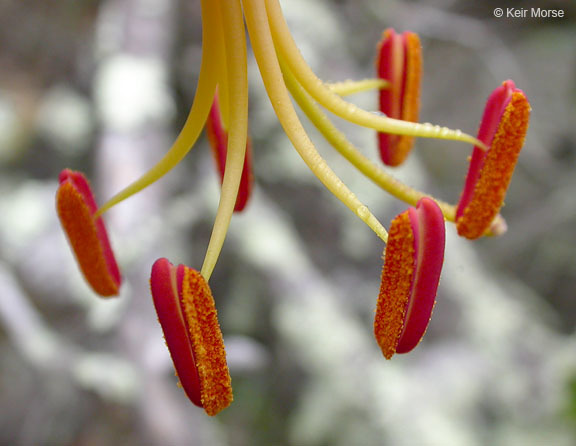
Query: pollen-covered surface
497, 170
207, 342
397, 275
405, 89
410, 96
81, 230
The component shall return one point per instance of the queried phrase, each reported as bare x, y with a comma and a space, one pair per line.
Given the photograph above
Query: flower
224, 67
399, 62
86, 233
415, 245
503, 129
410, 276
187, 313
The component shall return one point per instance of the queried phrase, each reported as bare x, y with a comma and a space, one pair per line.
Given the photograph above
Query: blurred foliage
298, 278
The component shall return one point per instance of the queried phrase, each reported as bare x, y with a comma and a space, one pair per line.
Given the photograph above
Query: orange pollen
80, 227
496, 173
404, 93
396, 285
411, 95
207, 342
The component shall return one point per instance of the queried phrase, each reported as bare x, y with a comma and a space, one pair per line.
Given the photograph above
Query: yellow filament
265, 54
372, 171
211, 44
223, 88
339, 141
331, 101
349, 87
237, 79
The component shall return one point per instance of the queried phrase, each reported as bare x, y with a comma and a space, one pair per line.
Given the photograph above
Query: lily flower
187, 313
415, 246
399, 62
224, 65
503, 129
412, 265
86, 233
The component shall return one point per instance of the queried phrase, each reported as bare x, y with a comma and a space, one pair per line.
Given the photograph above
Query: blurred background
104, 86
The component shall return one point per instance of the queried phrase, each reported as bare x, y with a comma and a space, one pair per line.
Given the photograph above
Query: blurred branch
48, 352
26, 329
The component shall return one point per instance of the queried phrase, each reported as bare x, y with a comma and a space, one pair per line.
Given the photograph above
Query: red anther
187, 314
218, 137
399, 62
410, 276
86, 234
503, 129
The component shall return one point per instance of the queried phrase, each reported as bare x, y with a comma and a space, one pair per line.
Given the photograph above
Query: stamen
164, 287
412, 265
265, 54
429, 236
288, 50
397, 272
218, 137
232, 22
211, 55
187, 314
372, 171
86, 233
349, 87
399, 61
504, 126
206, 338
340, 142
